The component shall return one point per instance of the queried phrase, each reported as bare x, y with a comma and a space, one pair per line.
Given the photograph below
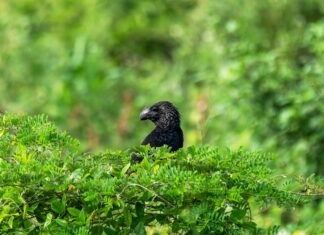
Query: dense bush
47, 185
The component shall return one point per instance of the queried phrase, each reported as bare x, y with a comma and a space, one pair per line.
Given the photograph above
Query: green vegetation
242, 73
48, 186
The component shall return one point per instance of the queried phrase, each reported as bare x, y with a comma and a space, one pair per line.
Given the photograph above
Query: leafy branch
195, 190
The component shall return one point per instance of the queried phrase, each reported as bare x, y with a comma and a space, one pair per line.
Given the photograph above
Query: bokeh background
243, 73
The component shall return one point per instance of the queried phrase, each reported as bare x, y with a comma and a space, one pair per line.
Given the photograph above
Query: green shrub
47, 185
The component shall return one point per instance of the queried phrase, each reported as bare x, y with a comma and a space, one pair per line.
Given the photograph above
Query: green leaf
25, 211
10, 221
57, 206
73, 211
61, 222
124, 170
139, 207
76, 175
82, 217
249, 225
32, 207
127, 217
90, 217
48, 221
140, 229
91, 196
238, 214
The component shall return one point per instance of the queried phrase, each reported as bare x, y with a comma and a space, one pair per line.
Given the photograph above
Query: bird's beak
144, 114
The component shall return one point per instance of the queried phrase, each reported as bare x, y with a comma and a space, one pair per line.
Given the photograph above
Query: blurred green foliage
243, 73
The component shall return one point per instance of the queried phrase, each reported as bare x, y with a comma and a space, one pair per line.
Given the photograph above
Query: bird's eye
154, 109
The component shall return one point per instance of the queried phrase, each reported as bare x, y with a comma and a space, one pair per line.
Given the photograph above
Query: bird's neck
167, 127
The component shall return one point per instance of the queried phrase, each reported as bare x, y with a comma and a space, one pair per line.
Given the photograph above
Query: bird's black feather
167, 130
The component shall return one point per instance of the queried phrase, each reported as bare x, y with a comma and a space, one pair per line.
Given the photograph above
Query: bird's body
167, 130
159, 137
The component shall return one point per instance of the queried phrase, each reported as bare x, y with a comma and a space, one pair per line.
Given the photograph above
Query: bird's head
163, 114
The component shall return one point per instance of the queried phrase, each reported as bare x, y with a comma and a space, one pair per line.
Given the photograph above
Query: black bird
167, 127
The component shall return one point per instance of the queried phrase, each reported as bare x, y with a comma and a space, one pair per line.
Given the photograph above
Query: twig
151, 191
